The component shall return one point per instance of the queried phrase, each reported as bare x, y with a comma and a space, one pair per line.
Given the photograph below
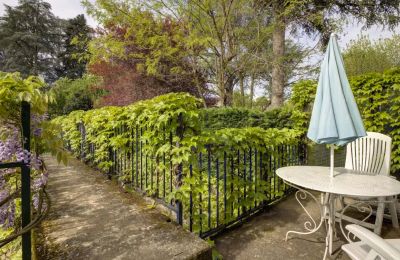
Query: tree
140, 55
233, 34
323, 17
30, 38
362, 55
75, 39
74, 94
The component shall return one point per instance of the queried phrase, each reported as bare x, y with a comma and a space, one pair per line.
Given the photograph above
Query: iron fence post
26, 182
180, 131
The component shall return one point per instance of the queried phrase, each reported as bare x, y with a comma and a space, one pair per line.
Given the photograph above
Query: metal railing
230, 186
27, 224
237, 185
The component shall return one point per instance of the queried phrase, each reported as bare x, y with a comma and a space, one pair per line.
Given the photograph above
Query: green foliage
15, 89
44, 138
70, 95
220, 118
29, 38
35, 42
377, 97
364, 56
74, 54
168, 131
303, 94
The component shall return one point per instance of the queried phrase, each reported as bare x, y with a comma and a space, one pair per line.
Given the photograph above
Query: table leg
379, 215
311, 225
327, 216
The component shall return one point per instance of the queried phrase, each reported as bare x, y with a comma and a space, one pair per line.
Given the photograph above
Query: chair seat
359, 250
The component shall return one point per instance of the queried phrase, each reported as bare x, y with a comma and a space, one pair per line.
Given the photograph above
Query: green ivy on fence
168, 133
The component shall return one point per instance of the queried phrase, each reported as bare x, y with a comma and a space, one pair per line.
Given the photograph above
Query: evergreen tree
73, 57
29, 39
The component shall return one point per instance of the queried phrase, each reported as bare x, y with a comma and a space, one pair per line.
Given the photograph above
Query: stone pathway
90, 218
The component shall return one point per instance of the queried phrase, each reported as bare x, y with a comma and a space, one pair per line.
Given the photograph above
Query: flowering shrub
14, 90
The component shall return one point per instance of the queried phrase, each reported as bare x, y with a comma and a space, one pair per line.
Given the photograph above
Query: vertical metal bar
200, 194
250, 171
164, 167
146, 167
26, 181
255, 175
209, 184
217, 178
232, 173
141, 159
244, 179
179, 177
151, 171
191, 201
225, 218
137, 157
157, 177
132, 157
238, 188
110, 156
170, 165
269, 174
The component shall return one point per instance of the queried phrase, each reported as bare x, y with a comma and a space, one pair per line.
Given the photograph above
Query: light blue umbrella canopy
335, 116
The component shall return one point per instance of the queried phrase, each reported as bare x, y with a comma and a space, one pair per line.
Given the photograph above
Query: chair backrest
370, 154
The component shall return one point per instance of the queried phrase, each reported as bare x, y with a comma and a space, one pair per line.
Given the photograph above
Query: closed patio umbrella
335, 117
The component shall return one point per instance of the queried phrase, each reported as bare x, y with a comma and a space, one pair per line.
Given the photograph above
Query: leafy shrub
220, 118
378, 99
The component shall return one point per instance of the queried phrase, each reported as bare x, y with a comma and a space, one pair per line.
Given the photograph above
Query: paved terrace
91, 218
264, 236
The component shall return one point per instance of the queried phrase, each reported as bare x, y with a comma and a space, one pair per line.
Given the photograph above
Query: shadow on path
91, 218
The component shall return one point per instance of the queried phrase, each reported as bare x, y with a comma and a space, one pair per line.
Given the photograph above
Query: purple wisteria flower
7, 211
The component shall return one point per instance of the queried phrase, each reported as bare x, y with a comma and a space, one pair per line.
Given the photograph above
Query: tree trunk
278, 50
242, 94
251, 91
228, 98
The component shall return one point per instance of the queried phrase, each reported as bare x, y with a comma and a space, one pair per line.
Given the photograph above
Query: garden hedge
378, 99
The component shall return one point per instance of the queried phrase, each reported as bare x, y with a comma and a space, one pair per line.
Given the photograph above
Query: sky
71, 8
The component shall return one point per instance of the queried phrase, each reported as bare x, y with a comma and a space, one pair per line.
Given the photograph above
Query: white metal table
345, 183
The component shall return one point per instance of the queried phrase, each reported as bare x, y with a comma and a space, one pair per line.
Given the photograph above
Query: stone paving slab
90, 218
263, 237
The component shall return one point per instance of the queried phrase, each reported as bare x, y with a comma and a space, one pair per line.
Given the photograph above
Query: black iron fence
236, 185
24, 192
222, 189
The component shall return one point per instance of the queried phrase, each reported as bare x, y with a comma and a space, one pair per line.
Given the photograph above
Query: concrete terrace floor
263, 237
90, 218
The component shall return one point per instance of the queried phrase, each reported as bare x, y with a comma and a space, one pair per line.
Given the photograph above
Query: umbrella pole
332, 160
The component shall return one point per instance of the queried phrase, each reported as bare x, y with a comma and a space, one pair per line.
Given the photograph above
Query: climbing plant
13, 90
155, 145
377, 97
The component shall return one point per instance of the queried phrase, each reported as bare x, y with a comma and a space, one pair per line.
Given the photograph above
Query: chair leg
379, 215
393, 212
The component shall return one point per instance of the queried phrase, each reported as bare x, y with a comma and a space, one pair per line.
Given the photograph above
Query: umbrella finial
333, 35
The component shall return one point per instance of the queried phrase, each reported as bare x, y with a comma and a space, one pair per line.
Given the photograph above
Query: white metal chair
371, 155
371, 246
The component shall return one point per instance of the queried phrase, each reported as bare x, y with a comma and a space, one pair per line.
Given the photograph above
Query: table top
345, 181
